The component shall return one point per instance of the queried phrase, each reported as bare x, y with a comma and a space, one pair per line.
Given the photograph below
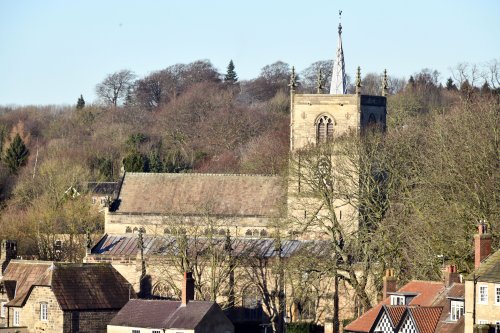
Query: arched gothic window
324, 129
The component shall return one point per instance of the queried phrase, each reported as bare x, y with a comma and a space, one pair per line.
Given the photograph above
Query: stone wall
489, 312
307, 108
88, 321
30, 312
116, 223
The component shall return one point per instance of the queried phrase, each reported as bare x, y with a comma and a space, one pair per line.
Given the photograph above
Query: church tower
318, 118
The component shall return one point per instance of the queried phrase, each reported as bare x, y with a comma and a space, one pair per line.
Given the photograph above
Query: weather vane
340, 14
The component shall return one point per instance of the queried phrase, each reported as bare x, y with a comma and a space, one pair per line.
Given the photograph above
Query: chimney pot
451, 275
390, 282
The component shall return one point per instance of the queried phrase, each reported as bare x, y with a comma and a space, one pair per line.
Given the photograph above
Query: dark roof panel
162, 314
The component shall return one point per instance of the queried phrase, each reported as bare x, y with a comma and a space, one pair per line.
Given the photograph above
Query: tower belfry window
324, 129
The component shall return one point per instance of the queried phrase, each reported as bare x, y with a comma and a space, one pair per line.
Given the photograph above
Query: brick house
159, 316
61, 297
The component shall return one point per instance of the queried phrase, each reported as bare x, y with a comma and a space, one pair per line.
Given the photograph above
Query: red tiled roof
426, 318
427, 292
395, 312
365, 322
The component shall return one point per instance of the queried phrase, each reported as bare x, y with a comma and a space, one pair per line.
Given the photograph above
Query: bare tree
115, 87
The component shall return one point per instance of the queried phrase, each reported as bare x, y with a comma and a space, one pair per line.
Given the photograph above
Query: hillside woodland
441, 151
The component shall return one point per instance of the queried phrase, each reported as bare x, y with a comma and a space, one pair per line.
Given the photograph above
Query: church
150, 209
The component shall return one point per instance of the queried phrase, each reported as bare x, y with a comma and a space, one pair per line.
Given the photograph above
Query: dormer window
457, 310
324, 129
397, 300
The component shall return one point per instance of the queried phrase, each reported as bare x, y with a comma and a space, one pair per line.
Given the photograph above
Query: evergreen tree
135, 162
80, 104
411, 81
16, 155
450, 85
155, 162
231, 76
485, 89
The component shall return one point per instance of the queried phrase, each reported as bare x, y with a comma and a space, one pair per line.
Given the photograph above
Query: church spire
339, 85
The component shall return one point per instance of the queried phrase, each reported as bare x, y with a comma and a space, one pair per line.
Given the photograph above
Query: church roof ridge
180, 174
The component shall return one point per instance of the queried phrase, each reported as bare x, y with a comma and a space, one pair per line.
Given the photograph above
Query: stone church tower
318, 118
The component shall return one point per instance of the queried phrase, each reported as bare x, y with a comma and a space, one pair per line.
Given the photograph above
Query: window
457, 310
397, 300
44, 311
16, 317
483, 295
155, 331
136, 331
497, 294
324, 129
3, 309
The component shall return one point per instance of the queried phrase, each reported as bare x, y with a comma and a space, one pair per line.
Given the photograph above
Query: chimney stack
390, 282
187, 288
482, 244
8, 251
451, 275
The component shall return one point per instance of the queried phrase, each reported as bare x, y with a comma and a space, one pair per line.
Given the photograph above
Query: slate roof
102, 187
489, 270
126, 245
163, 314
75, 286
198, 194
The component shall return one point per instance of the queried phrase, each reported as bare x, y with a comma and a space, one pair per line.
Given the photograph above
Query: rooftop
489, 271
126, 245
194, 194
428, 294
163, 314
75, 286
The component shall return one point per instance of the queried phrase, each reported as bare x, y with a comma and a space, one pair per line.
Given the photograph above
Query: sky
54, 50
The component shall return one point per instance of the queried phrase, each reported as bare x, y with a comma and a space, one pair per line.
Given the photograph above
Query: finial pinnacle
319, 82
293, 80
358, 80
340, 22
385, 84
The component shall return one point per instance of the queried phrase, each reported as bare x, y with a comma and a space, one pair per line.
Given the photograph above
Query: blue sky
53, 51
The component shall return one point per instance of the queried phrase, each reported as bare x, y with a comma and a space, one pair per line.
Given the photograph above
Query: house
185, 316
418, 306
61, 297
482, 287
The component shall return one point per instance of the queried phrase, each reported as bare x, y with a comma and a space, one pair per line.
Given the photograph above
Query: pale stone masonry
61, 297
